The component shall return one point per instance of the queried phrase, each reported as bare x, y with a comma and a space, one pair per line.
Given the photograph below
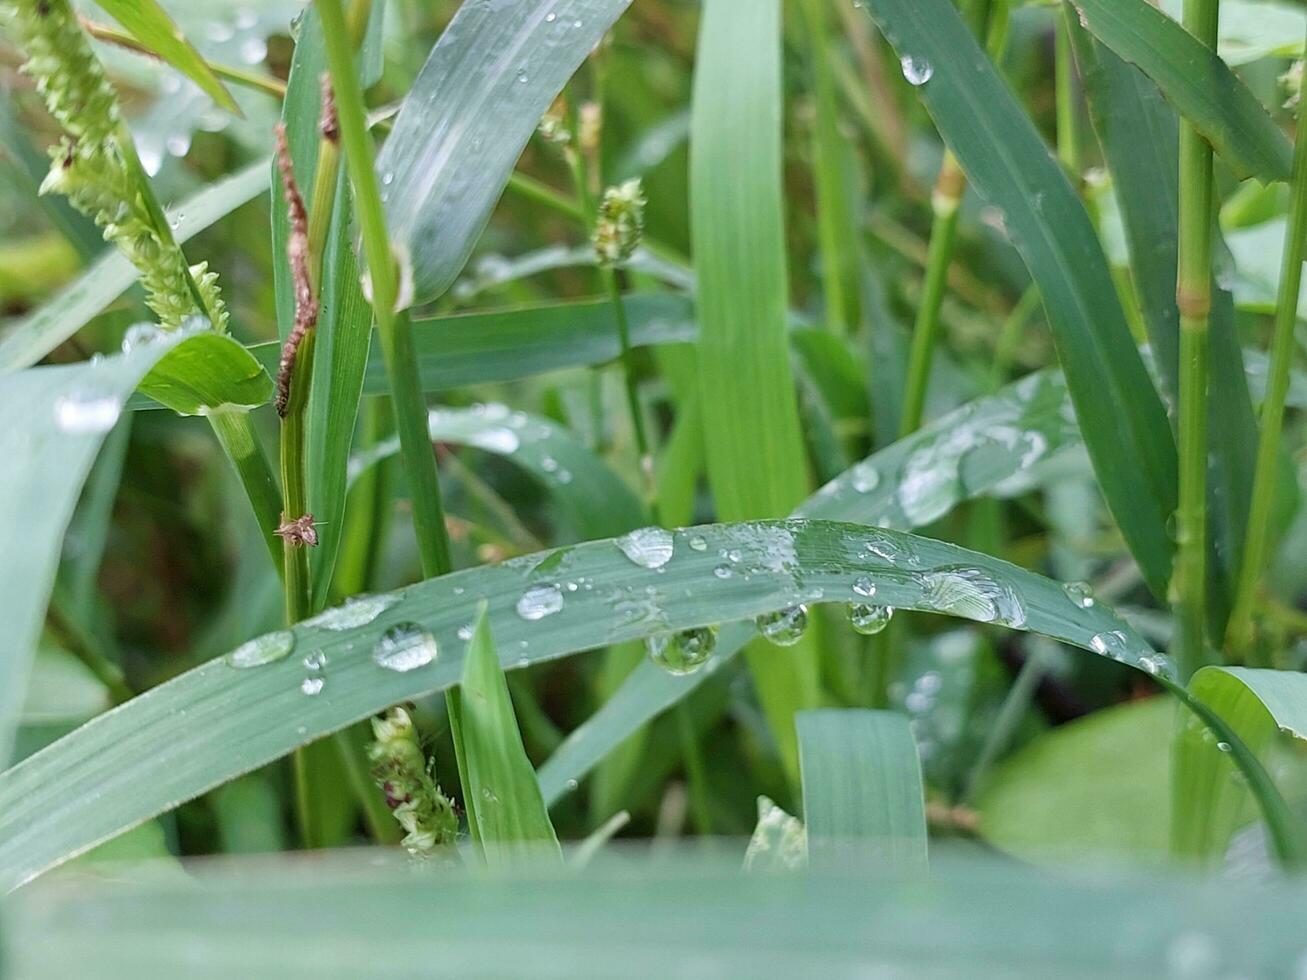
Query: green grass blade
211, 371
150, 24
1210, 803
1124, 424
45, 329
862, 790
1196, 81
1139, 135
469, 114
216, 721
752, 440
502, 794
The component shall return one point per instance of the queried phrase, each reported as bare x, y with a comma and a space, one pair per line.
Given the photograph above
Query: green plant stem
645, 452
1194, 298
393, 325
88, 647
1010, 334
1068, 124
296, 586
945, 202
1239, 633
235, 431
541, 193
1010, 713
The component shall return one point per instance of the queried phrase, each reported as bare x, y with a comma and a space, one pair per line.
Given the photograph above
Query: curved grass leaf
1210, 803
1196, 81
593, 497
216, 721
472, 109
502, 795
334, 919
150, 24
209, 371
1124, 424
45, 329
862, 791
55, 420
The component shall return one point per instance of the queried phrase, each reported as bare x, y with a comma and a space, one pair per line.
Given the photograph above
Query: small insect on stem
299, 533
297, 249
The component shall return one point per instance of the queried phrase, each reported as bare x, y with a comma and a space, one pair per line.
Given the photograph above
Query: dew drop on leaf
262, 650
684, 652
869, 619
648, 547
918, 71
405, 647
786, 627
540, 601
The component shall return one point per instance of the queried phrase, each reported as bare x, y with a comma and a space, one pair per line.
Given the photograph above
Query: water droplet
355, 612
698, 543
86, 413
405, 647
972, 594
864, 478
178, 144
315, 661
140, 335
262, 650
1159, 665
648, 547
1110, 644
571, 785
684, 652
312, 686
786, 627
540, 601
1081, 593
723, 571
496, 440
465, 632
864, 586
521, 76
917, 71
869, 619
1224, 746
550, 17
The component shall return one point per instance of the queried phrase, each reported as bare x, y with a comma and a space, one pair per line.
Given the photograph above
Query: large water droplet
917, 71
648, 547
864, 478
312, 686
262, 650
869, 619
972, 594
405, 647
86, 413
1081, 593
1112, 643
540, 601
358, 611
786, 627
684, 652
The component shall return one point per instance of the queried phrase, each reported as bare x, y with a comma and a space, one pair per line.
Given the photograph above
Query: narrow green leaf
862, 791
1124, 424
465, 121
150, 24
211, 371
512, 822
1196, 81
45, 329
218, 721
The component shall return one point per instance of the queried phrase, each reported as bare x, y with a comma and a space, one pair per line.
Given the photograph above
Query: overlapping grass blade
862, 789
45, 329
150, 24
1196, 81
754, 448
216, 721
472, 109
1122, 419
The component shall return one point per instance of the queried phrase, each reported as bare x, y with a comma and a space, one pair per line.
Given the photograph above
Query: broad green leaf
465, 121
208, 372
1196, 81
688, 915
55, 420
752, 441
1268, 709
1123, 422
150, 24
218, 721
501, 789
1140, 138
45, 329
1119, 806
862, 791
594, 498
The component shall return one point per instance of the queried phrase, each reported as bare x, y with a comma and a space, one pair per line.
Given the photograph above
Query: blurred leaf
862, 792
1251, 30
779, 841
465, 121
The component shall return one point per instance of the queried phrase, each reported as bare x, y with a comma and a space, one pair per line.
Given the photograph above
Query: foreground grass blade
472, 109
501, 791
1140, 139
55, 420
1196, 81
1210, 802
862, 791
1123, 421
218, 721
753, 445
682, 916
150, 24
42, 331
